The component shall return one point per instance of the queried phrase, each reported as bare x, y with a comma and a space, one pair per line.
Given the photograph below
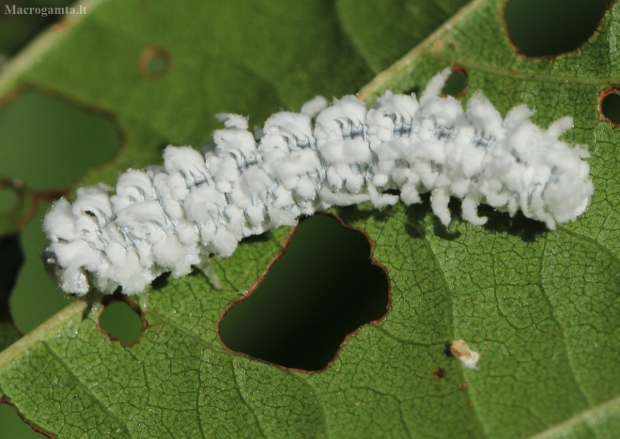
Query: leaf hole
13, 425
456, 84
154, 62
547, 28
609, 105
121, 320
323, 287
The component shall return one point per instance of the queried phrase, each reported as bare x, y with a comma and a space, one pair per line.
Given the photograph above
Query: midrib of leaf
446, 289
586, 416
39, 334
569, 357
244, 401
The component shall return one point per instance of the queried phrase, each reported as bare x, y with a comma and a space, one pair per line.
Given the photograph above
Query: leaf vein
85, 388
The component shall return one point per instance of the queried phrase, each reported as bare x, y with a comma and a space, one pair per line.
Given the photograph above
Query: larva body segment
171, 218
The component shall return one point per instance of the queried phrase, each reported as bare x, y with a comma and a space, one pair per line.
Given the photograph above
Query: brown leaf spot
154, 62
439, 373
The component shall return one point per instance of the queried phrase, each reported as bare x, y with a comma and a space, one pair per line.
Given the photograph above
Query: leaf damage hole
609, 105
13, 424
456, 85
154, 62
323, 288
121, 320
548, 28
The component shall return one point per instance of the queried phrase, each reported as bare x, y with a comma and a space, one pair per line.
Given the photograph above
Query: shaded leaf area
385, 31
49, 143
541, 307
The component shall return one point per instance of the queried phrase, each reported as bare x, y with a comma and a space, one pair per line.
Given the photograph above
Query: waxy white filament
171, 218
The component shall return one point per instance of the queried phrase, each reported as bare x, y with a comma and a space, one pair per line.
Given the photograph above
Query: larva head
59, 223
69, 263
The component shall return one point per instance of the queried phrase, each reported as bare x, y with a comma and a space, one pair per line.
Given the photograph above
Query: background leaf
542, 307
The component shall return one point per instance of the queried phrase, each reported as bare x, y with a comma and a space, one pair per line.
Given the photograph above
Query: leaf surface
541, 307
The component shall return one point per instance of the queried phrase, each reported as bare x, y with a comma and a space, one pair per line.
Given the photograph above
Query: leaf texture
542, 308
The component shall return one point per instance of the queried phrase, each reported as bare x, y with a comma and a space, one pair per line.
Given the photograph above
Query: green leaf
541, 307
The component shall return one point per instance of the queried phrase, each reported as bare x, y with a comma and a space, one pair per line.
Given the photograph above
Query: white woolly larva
460, 349
171, 217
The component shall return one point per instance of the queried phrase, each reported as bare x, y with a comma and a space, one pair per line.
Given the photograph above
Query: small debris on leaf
460, 349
